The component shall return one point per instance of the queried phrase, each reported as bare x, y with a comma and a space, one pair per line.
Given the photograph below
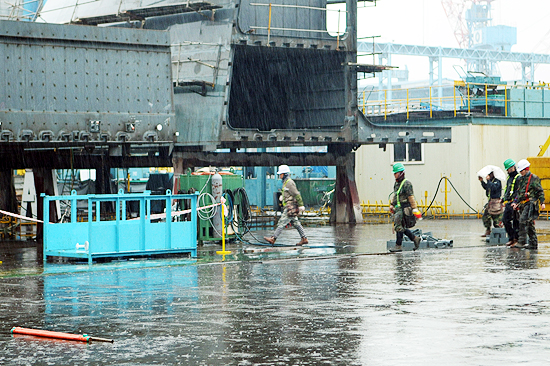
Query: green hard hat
509, 163
398, 167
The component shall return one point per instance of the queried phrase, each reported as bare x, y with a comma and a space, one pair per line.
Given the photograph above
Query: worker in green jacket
403, 203
529, 201
509, 218
293, 206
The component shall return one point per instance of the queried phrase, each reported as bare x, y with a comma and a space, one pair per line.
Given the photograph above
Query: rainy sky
424, 22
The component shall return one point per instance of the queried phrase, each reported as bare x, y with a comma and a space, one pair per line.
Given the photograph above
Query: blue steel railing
124, 236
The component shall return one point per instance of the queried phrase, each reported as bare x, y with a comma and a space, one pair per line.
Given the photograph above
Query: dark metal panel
29, 31
200, 62
278, 89
57, 88
261, 159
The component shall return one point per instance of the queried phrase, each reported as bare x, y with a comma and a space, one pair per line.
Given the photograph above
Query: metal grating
140, 14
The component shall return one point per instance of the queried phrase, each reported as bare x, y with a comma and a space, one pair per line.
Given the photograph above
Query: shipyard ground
471, 304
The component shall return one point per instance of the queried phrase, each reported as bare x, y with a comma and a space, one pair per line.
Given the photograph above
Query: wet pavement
341, 304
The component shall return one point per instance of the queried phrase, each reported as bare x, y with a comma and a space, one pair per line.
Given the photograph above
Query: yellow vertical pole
468, 91
446, 209
269, 25
223, 251
430, 102
407, 104
363, 102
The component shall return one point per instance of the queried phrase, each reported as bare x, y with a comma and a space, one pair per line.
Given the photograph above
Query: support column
44, 182
103, 184
262, 182
179, 168
8, 199
346, 207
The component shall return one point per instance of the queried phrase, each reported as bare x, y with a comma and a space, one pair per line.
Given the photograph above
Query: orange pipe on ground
51, 334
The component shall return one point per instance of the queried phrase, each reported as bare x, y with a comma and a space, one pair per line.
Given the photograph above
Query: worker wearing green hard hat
508, 163
509, 218
398, 167
404, 209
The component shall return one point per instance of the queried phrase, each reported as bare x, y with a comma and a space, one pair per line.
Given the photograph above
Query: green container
313, 189
202, 184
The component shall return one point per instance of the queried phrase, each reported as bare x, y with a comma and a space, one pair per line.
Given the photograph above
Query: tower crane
465, 23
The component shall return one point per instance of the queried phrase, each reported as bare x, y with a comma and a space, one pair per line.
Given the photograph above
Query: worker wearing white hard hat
293, 206
529, 201
283, 169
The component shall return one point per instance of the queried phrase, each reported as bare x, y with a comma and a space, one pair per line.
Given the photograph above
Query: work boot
417, 240
519, 245
511, 242
396, 249
303, 241
487, 233
270, 239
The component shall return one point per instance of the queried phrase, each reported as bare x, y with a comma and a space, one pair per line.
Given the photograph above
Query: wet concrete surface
472, 304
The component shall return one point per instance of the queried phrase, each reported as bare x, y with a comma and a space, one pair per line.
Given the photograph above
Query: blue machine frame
121, 237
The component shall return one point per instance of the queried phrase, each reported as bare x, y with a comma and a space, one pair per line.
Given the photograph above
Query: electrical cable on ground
437, 191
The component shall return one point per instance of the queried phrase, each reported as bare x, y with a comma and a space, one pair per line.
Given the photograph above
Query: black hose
230, 203
242, 208
437, 191
244, 216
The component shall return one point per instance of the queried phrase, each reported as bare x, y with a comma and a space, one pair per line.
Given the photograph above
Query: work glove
417, 214
301, 210
392, 209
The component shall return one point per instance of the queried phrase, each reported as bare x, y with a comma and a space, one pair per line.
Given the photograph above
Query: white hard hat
283, 169
522, 164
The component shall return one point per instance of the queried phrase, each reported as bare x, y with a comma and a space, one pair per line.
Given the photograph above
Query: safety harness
398, 191
527, 190
512, 186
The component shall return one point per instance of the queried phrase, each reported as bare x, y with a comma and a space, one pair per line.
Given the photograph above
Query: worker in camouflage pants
403, 199
529, 195
293, 207
492, 215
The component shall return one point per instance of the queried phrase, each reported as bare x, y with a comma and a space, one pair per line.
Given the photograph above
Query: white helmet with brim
522, 164
283, 169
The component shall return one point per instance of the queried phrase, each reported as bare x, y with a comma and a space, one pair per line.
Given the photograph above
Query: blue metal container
97, 236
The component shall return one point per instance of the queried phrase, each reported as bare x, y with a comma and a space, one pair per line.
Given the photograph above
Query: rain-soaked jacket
291, 193
532, 193
511, 186
493, 188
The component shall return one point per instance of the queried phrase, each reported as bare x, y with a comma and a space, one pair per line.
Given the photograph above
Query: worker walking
509, 217
293, 206
493, 208
404, 209
529, 195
